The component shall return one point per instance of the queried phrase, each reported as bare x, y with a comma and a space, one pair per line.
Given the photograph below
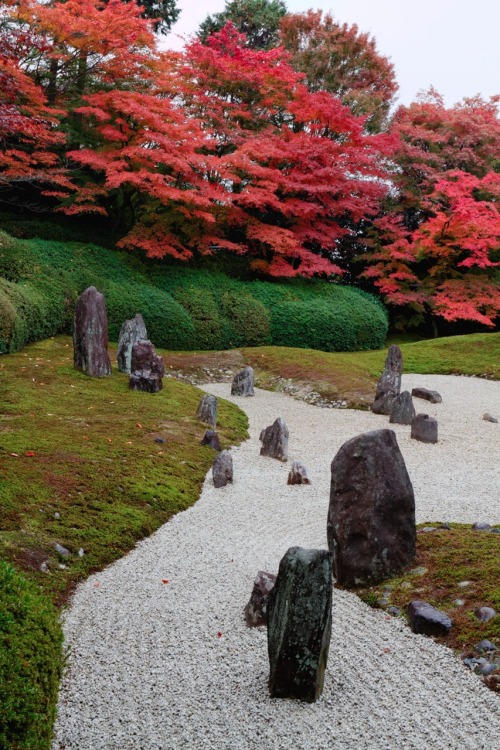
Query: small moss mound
30, 663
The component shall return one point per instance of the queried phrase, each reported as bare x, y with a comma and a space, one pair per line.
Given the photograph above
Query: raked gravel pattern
155, 666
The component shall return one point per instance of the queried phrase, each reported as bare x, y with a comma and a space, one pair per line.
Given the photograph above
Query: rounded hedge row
183, 307
30, 663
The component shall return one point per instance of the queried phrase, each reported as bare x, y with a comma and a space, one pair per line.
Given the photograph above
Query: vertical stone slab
371, 518
275, 440
207, 410
147, 368
242, 384
389, 385
131, 332
90, 335
299, 618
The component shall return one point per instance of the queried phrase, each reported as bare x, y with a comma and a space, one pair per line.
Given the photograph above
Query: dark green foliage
183, 308
30, 663
258, 19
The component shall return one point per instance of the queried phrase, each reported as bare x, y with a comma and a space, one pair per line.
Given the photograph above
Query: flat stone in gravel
256, 609
299, 621
371, 519
298, 474
433, 396
427, 620
242, 384
424, 429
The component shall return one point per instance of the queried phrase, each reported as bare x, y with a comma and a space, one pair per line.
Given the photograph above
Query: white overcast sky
453, 45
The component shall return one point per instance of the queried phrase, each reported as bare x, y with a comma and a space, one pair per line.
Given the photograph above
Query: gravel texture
172, 666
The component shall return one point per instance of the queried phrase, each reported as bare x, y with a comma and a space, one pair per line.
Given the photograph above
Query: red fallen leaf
387, 650
219, 634
15, 454
85, 437
30, 453
138, 424
32, 414
165, 580
387, 618
96, 585
110, 440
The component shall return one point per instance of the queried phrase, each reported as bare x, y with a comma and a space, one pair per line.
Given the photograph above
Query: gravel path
157, 666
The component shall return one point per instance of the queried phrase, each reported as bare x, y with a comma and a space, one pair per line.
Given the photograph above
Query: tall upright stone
207, 410
131, 332
242, 384
371, 518
275, 440
147, 368
90, 335
299, 618
389, 385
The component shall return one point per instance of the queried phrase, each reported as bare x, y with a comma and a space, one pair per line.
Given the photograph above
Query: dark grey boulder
147, 368
433, 396
427, 620
131, 332
242, 384
212, 439
299, 616
389, 385
371, 518
481, 526
222, 468
424, 428
485, 645
90, 335
256, 609
275, 440
207, 410
402, 410
298, 474
490, 418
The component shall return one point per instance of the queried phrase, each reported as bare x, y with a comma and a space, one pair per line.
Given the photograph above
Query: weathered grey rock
222, 468
389, 385
299, 615
275, 440
131, 332
61, 550
212, 439
147, 368
485, 645
371, 518
256, 609
298, 474
490, 418
481, 526
242, 384
207, 410
90, 335
424, 428
428, 620
485, 614
433, 396
402, 410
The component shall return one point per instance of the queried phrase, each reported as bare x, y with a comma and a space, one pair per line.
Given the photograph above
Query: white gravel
172, 666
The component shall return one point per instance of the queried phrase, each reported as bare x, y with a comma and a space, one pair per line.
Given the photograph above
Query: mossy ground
84, 448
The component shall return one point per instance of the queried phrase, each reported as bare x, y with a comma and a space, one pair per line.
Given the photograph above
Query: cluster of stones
389, 400
136, 354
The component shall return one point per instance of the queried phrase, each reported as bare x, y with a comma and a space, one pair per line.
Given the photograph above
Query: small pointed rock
132, 331
222, 469
207, 410
256, 609
275, 440
402, 410
242, 384
424, 428
298, 474
212, 439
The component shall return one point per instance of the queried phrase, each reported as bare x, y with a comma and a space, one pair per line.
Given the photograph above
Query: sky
453, 45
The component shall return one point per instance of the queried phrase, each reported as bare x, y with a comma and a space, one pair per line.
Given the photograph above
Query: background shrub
201, 306
245, 322
30, 663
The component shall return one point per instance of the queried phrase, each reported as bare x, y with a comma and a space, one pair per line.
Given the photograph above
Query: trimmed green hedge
30, 663
183, 307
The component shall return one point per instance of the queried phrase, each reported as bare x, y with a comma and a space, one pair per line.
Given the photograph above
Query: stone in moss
90, 335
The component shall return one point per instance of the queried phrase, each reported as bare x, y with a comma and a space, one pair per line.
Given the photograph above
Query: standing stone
212, 439
389, 385
371, 518
433, 396
299, 618
222, 468
242, 384
147, 368
424, 428
90, 335
275, 440
402, 411
256, 609
131, 332
207, 410
298, 474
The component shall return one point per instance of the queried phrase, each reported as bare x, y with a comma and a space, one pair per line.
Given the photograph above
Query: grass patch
450, 557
